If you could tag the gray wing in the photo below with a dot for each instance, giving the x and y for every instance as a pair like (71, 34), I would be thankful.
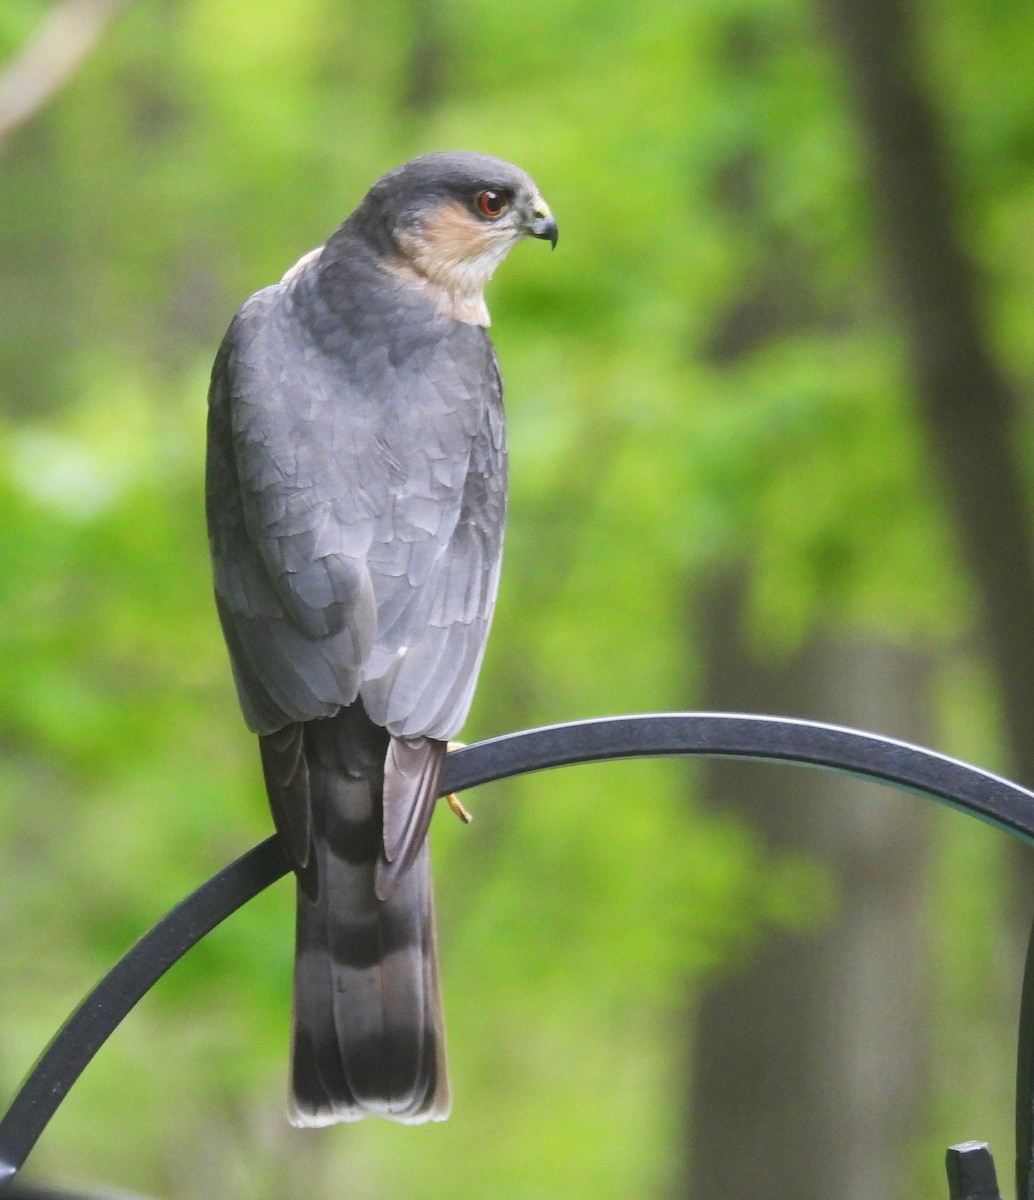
(356, 498)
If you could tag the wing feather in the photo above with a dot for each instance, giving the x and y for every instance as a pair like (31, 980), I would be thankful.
(356, 500)
(412, 770)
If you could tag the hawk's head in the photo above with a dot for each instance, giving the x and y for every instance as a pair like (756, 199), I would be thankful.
(444, 222)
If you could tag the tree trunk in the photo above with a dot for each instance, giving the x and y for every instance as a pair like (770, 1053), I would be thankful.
(966, 402)
(808, 1068)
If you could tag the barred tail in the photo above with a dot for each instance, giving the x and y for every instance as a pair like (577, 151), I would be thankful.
(368, 1036)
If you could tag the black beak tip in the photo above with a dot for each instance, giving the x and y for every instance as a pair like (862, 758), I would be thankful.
(545, 228)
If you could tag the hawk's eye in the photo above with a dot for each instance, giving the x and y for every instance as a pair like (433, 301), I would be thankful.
(492, 204)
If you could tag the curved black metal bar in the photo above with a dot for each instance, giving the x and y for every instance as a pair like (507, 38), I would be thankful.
(27, 1191)
(776, 739)
(1025, 1082)
(734, 735)
(90, 1025)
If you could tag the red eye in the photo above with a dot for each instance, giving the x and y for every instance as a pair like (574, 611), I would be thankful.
(492, 204)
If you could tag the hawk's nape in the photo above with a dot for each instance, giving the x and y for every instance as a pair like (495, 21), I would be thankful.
(356, 496)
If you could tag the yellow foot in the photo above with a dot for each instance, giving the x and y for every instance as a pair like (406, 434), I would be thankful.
(456, 805)
(452, 799)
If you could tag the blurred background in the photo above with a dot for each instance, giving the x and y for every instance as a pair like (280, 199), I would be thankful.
(770, 428)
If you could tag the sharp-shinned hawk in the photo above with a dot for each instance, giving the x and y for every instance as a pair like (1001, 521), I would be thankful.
(356, 494)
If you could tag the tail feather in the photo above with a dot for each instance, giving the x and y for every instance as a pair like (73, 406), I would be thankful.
(368, 1036)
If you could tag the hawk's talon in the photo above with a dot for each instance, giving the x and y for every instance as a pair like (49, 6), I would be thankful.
(456, 805)
(452, 799)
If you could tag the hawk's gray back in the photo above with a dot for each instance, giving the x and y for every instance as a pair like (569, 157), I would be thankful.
(358, 477)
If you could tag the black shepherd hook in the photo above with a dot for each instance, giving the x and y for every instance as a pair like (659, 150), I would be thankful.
(776, 739)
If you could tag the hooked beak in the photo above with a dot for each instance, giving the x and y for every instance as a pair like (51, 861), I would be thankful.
(542, 223)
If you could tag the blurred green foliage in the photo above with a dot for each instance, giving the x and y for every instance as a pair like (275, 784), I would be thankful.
(695, 155)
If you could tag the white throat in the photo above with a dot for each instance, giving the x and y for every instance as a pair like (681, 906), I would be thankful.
(453, 270)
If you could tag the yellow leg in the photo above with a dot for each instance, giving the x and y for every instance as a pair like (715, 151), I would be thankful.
(452, 799)
(454, 802)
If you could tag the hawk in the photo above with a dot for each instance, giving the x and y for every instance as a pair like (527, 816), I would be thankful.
(356, 495)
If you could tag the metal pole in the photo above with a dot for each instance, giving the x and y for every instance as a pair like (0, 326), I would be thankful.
(778, 739)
